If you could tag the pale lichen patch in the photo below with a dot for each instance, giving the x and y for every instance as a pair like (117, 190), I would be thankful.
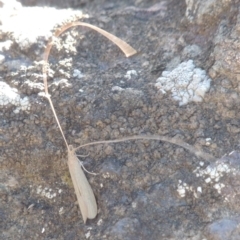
(130, 73)
(10, 96)
(187, 83)
(213, 173)
(46, 192)
(183, 188)
(77, 74)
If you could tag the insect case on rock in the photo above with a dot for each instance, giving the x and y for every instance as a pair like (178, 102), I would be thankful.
(83, 190)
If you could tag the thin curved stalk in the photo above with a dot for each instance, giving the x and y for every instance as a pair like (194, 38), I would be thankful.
(83, 190)
(127, 50)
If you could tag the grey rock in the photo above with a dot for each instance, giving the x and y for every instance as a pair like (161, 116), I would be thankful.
(204, 12)
(144, 189)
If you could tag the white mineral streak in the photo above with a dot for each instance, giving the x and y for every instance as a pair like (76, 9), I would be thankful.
(186, 83)
(10, 96)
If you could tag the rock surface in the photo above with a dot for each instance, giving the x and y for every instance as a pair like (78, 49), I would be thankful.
(144, 189)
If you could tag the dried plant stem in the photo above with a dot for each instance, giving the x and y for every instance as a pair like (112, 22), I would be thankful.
(83, 190)
(127, 50)
(176, 141)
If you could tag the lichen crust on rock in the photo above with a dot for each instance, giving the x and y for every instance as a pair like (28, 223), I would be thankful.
(187, 83)
(10, 96)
